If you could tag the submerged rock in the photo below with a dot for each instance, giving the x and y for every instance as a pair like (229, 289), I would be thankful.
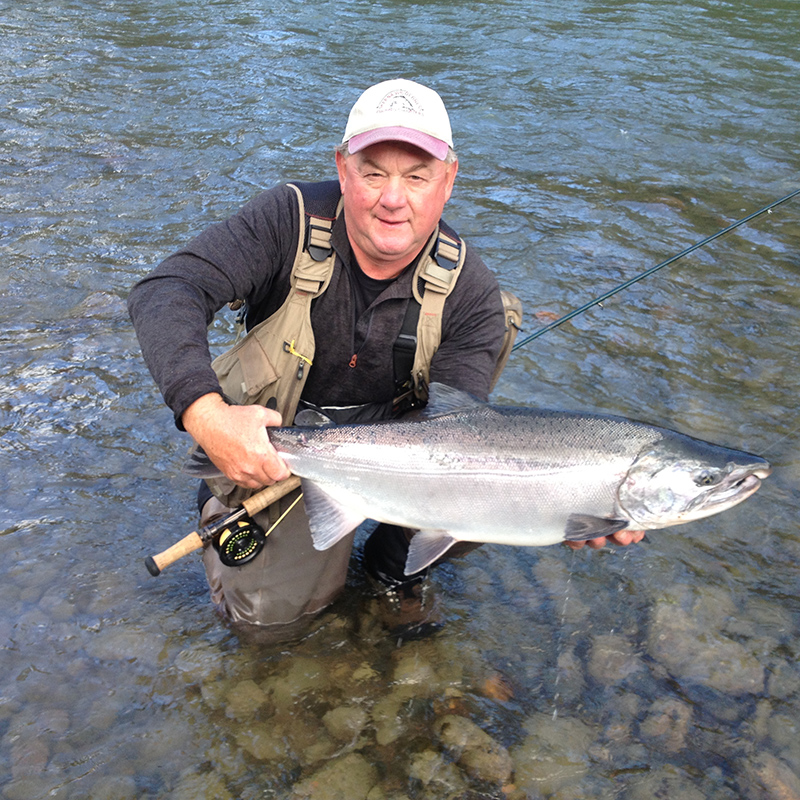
(612, 659)
(770, 778)
(477, 753)
(668, 722)
(436, 773)
(387, 718)
(200, 787)
(665, 782)
(345, 723)
(115, 787)
(126, 643)
(201, 663)
(245, 700)
(348, 778)
(554, 756)
(693, 653)
(303, 675)
(264, 742)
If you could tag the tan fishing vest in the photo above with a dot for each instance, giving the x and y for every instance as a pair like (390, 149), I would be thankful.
(269, 365)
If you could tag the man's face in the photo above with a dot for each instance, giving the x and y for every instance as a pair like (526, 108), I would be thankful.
(393, 199)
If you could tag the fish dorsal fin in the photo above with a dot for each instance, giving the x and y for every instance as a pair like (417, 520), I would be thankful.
(328, 520)
(443, 399)
(584, 526)
(425, 548)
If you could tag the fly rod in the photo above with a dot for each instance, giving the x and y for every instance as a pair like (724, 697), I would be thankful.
(238, 540)
(648, 272)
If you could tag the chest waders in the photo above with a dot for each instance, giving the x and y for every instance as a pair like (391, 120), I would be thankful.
(269, 365)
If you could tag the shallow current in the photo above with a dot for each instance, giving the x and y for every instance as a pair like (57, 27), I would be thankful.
(595, 139)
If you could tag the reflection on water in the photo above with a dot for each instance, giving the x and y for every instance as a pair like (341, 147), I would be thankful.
(596, 139)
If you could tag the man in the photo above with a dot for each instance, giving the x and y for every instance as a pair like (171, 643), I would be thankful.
(396, 169)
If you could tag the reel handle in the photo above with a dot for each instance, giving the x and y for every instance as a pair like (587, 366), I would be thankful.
(194, 541)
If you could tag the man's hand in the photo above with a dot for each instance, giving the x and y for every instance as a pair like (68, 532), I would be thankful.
(235, 439)
(623, 538)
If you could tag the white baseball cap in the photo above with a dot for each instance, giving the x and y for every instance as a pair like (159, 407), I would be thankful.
(402, 111)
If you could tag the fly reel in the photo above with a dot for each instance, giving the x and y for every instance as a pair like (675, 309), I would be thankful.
(240, 542)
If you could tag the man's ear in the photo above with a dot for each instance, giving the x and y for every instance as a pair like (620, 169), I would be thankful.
(341, 168)
(451, 179)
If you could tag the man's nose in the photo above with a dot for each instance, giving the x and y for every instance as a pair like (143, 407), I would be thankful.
(394, 194)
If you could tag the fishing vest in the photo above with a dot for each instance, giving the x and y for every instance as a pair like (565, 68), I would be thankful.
(269, 365)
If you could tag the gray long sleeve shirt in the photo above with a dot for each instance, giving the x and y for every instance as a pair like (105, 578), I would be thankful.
(250, 257)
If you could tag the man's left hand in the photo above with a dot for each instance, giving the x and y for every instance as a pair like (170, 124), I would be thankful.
(622, 538)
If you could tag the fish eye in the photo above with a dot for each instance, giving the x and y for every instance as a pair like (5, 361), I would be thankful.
(705, 478)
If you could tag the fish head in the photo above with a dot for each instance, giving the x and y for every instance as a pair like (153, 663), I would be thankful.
(681, 479)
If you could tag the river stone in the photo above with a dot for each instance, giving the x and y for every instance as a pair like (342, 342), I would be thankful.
(29, 757)
(554, 575)
(668, 722)
(668, 782)
(200, 663)
(56, 606)
(413, 670)
(208, 786)
(784, 730)
(554, 756)
(479, 755)
(345, 723)
(114, 787)
(263, 742)
(386, 718)
(783, 681)
(245, 700)
(348, 778)
(304, 675)
(433, 771)
(690, 652)
(768, 778)
(28, 788)
(570, 684)
(364, 672)
(612, 659)
(124, 643)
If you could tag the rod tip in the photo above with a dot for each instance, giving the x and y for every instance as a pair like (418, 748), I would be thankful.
(152, 567)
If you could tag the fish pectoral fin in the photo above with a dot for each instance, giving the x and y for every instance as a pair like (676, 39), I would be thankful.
(443, 400)
(311, 418)
(328, 520)
(199, 465)
(584, 526)
(425, 548)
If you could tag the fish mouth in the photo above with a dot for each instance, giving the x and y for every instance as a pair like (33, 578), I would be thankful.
(736, 488)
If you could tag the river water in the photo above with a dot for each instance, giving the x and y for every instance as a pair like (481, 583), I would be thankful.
(595, 140)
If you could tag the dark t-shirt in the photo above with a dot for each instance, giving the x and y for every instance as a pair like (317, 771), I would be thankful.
(250, 256)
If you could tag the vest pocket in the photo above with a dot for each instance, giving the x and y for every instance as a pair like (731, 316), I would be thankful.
(245, 371)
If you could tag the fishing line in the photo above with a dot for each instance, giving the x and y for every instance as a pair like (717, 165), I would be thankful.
(285, 514)
(560, 640)
(782, 439)
(648, 272)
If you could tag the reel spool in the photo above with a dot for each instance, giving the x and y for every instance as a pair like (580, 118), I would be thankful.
(240, 542)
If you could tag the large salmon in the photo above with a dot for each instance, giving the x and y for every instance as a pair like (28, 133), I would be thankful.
(468, 471)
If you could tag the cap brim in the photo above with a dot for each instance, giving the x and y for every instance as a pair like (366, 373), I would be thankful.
(430, 144)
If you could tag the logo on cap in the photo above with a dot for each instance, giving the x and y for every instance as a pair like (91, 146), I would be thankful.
(400, 101)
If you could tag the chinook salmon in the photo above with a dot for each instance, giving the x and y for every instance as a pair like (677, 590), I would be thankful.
(469, 471)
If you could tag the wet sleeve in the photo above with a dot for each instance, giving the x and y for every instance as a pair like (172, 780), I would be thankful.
(172, 307)
(473, 328)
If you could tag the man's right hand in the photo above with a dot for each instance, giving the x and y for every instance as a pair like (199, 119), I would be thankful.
(235, 439)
